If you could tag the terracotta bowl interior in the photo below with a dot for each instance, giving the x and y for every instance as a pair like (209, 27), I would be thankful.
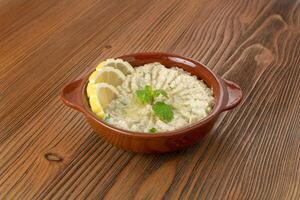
(169, 60)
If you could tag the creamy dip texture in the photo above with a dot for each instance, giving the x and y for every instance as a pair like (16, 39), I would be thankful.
(189, 98)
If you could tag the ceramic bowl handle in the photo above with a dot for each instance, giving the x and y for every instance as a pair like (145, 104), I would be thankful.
(234, 95)
(71, 95)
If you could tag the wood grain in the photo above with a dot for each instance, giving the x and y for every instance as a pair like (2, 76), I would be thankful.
(47, 151)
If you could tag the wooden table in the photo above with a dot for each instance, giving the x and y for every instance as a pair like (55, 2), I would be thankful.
(48, 151)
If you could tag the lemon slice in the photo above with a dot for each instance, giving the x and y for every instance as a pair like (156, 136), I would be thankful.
(119, 64)
(90, 89)
(101, 97)
(107, 75)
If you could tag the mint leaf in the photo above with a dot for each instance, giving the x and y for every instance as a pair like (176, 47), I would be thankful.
(148, 90)
(163, 111)
(143, 97)
(156, 93)
(152, 130)
(107, 117)
(147, 95)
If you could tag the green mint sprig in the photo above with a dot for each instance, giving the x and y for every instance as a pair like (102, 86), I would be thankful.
(147, 95)
(153, 130)
(162, 110)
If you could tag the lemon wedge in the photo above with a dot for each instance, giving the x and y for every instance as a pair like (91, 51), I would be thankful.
(100, 65)
(90, 89)
(107, 75)
(119, 64)
(101, 87)
(101, 96)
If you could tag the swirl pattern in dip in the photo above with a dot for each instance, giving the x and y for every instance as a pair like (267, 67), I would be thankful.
(190, 99)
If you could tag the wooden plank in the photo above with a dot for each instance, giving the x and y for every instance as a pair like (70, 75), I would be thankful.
(48, 151)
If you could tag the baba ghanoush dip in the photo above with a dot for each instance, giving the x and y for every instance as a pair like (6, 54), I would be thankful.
(151, 98)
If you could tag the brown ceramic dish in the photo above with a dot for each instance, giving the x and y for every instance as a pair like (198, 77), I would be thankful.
(227, 95)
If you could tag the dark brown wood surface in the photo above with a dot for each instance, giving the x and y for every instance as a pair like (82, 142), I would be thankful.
(48, 151)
